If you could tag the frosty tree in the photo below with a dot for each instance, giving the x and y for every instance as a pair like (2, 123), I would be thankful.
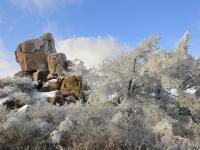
(182, 45)
(143, 50)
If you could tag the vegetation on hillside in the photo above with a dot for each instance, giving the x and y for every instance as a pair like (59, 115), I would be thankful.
(142, 99)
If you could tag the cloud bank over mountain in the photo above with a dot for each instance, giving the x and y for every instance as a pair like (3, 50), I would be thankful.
(91, 50)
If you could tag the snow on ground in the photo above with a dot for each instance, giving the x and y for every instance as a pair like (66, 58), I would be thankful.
(173, 91)
(48, 94)
(42, 96)
(191, 90)
(23, 109)
(114, 95)
(53, 80)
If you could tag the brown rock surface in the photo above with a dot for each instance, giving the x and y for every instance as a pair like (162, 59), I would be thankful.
(71, 86)
(32, 54)
(54, 84)
(48, 37)
(40, 61)
(57, 64)
(22, 74)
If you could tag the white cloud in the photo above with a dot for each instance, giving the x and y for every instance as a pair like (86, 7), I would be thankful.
(8, 66)
(41, 5)
(89, 49)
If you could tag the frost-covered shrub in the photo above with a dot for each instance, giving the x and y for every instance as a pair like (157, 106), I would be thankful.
(48, 112)
(4, 113)
(23, 84)
(23, 131)
(7, 90)
(103, 127)
(16, 92)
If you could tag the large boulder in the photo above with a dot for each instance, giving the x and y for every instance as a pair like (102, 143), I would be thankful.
(32, 54)
(71, 86)
(57, 64)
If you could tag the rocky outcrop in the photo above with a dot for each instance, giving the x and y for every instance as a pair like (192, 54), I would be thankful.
(40, 62)
(57, 64)
(32, 54)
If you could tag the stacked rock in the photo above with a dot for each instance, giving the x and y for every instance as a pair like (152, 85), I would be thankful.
(40, 62)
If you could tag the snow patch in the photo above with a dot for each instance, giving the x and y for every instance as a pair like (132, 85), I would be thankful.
(49, 94)
(53, 80)
(23, 109)
(191, 90)
(43, 96)
(112, 96)
(173, 91)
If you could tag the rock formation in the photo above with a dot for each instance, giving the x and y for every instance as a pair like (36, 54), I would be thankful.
(57, 63)
(40, 61)
(32, 54)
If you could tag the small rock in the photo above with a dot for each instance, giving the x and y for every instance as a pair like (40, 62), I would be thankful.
(54, 84)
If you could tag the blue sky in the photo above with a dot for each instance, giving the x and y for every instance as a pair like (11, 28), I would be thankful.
(125, 22)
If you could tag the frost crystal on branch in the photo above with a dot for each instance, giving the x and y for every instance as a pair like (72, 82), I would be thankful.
(182, 45)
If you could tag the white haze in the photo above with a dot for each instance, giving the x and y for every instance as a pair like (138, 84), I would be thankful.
(91, 50)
